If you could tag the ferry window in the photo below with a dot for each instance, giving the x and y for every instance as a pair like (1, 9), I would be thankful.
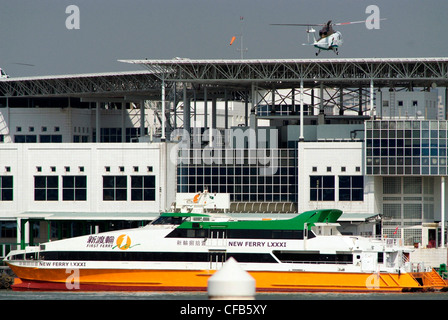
(169, 220)
(143, 188)
(46, 188)
(6, 187)
(114, 188)
(74, 188)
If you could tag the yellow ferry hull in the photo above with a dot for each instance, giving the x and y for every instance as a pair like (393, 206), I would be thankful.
(196, 280)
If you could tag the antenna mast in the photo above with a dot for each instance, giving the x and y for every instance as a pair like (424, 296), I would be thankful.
(241, 50)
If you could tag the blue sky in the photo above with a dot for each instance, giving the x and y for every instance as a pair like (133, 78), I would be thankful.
(34, 32)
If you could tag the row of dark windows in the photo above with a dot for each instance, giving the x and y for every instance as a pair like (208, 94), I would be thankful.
(146, 256)
(211, 256)
(238, 233)
(74, 188)
(107, 135)
(46, 188)
(303, 257)
(43, 138)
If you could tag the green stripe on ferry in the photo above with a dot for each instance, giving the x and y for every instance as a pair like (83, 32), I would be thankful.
(296, 223)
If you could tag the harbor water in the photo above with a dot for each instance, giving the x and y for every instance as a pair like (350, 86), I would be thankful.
(125, 295)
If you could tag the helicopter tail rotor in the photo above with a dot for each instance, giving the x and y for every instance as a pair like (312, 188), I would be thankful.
(309, 30)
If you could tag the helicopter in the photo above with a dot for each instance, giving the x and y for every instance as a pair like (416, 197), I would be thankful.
(329, 39)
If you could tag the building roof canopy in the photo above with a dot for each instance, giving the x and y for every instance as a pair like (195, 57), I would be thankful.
(237, 74)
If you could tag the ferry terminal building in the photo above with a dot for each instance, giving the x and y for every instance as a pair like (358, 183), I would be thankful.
(87, 153)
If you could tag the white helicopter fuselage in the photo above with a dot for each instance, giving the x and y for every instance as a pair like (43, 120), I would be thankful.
(331, 42)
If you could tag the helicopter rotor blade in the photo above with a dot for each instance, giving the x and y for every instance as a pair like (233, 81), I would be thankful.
(353, 22)
(297, 24)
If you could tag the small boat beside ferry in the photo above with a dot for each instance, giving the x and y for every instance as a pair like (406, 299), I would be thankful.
(179, 251)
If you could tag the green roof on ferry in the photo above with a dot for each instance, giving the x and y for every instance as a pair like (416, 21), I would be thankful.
(296, 223)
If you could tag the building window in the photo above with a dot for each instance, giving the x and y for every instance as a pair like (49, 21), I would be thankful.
(410, 147)
(78, 138)
(143, 188)
(50, 138)
(46, 188)
(8, 229)
(391, 185)
(6, 186)
(133, 133)
(110, 134)
(322, 188)
(21, 138)
(74, 188)
(245, 179)
(351, 188)
(114, 188)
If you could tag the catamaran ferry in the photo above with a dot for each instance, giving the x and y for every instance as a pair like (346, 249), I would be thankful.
(180, 251)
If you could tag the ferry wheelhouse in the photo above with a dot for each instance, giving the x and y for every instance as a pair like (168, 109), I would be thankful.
(180, 251)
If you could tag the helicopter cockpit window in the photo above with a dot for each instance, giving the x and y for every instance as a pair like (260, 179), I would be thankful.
(169, 220)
